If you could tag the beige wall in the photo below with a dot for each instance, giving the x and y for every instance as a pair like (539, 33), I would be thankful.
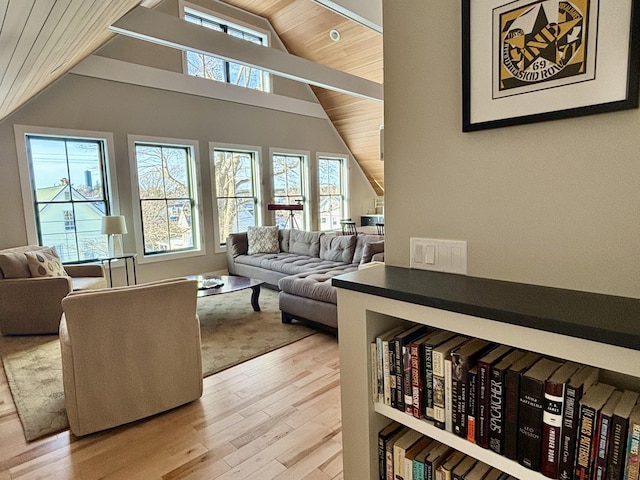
(554, 203)
(90, 104)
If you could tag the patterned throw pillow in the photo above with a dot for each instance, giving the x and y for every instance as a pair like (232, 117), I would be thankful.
(263, 240)
(45, 263)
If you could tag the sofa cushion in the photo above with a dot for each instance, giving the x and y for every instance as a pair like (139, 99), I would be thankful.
(370, 249)
(305, 243)
(263, 240)
(361, 242)
(45, 263)
(14, 265)
(287, 263)
(337, 248)
(315, 285)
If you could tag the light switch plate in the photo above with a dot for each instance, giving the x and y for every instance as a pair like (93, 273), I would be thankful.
(439, 255)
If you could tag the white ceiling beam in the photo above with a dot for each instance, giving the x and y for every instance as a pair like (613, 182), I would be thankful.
(365, 12)
(163, 29)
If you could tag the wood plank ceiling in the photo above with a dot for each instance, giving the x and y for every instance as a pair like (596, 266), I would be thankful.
(40, 40)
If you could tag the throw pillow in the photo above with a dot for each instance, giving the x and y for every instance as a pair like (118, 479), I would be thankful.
(14, 265)
(370, 249)
(262, 240)
(45, 263)
(337, 248)
(305, 243)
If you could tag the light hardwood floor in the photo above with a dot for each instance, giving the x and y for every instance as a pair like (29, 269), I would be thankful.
(274, 417)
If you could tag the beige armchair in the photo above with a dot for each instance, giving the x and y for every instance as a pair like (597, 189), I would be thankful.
(129, 353)
(32, 305)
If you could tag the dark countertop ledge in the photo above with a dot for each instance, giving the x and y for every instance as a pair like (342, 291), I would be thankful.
(592, 316)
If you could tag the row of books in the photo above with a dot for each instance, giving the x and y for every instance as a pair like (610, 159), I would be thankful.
(405, 454)
(550, 415)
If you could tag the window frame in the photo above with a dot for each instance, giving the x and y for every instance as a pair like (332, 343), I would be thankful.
(226, 21)
(344, 188)
(21, 132)
(196, 188)
(304, 222)
(259, 205)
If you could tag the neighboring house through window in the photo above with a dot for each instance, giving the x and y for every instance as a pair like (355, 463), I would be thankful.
(165, 183)
(207, 66)
(236, 186)
(331, 192)
(289, 187)
(65, 190)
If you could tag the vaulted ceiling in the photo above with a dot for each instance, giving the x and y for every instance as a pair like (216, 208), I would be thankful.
(40, 40)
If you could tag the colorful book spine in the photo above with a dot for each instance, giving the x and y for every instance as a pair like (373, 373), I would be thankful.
(439, 356)
(427, 362)
(575, 388)
(632, 463)
(590, 406)
(472, 404)
(603, 434)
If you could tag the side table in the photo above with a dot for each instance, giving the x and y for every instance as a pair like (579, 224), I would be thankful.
(126, 257)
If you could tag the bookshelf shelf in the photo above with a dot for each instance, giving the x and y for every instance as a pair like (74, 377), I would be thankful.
(587, 328)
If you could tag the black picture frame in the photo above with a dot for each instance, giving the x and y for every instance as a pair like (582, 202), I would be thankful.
(604, 78)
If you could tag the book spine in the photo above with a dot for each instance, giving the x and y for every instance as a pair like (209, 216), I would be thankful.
(382, 458)
(472, 405)
(375, 383)
(448, 396)
(380, 369)
(428, 381)
(418, 470)
(632, 463)
(530, 412)
(398, 370)
(484, 373)
(617, 448)
(566, 462)
(414, 405)
(602, 450)
(588, 419)
(407, 391)
(551, 424)
(512, 385)
(389, 380)
(389, 462)
(496, 422)
(438, 390)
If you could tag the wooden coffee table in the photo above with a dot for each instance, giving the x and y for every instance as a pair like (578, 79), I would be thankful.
(230, 283)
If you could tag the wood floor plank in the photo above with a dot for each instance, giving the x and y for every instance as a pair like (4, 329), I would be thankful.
(275, 416)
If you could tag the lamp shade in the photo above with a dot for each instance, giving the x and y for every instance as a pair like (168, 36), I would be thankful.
(114, 225)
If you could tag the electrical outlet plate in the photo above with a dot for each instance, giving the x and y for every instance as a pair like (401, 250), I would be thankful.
(439, 255)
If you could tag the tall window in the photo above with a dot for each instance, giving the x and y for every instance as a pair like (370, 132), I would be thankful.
(236, 198)
(168, 200)
(68, 180)
(289, 186)
(331, 189)
(206, 66)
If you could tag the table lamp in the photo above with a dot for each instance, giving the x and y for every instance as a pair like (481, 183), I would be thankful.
(114, 226)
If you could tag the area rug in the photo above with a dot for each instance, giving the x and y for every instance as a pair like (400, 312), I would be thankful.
(231, 333)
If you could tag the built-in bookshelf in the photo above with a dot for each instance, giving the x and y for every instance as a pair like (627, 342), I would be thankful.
(591, 329)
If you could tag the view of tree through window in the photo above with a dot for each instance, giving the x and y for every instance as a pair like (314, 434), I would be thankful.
(288, 186)
(68, 181)
(330, 186)
(235, 191)
(167, 199)
(206, 66)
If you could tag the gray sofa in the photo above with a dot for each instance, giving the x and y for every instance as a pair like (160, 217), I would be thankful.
(303, 268)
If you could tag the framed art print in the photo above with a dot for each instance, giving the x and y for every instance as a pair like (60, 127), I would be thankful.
(528, 61)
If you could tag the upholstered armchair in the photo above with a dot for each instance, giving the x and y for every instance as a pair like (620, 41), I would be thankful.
(129, 353)
(32, 305)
